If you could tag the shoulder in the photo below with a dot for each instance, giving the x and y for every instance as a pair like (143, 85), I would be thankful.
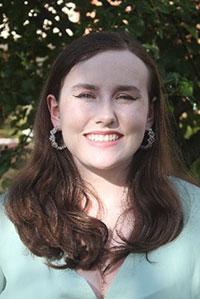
(8, 232)
(6, 226)
(186, 247)
(185, 188)
(9, 237)
(2, 201)
(188, 193)
(3, 217)
(3, 220)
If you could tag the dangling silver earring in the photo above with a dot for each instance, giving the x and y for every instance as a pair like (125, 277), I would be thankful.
(52, 139)
(150, 139)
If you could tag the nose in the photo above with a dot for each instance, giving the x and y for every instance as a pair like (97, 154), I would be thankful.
(105, 113)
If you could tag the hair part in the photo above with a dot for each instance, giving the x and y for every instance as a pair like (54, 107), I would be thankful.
(45, 202)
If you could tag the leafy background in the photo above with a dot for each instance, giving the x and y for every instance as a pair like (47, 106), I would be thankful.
(32, 33)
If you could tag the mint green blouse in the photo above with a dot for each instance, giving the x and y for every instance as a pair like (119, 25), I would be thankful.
(173, 274)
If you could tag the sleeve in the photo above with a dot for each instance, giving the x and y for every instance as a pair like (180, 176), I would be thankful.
(191, 194)
(196, 243)
(196, 280)
(190, 197)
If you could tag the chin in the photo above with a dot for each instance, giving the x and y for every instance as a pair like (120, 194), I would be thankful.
(107, 166)
(104, 164)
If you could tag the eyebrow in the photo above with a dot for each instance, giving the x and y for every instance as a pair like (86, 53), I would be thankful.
(127, 88)
(117, 88)
(84, 85)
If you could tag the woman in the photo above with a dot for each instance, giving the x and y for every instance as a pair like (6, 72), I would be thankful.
(100, 200)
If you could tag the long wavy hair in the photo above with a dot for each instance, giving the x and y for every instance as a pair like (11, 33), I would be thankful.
(45, 199)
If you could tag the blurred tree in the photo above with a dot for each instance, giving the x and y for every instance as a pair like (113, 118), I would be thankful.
(32, 33)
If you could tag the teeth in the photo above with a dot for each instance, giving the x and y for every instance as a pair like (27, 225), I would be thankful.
(103, 138)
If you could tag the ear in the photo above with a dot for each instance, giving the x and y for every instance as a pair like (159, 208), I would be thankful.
(53, 107)
(150, 117)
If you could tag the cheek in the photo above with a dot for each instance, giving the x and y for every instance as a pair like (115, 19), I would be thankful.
(136, 119)
(73, 119)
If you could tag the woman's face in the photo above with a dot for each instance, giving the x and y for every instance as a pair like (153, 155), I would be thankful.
(103, 110)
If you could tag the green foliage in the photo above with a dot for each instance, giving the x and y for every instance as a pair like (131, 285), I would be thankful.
(33, 32)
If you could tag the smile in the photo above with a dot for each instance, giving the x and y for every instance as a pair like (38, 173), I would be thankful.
(103, 138)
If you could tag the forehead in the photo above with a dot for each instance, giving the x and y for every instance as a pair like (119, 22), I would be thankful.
(109, 68)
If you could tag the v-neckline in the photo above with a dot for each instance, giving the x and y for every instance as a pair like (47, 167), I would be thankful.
(117, 277)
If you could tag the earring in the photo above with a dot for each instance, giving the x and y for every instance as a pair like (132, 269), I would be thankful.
(52, 139)
(150, 139)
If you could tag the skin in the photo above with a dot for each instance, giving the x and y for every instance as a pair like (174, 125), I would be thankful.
(103, 106)
(106, 92)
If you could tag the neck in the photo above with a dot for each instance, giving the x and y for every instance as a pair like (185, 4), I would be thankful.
(112, 178)
(107, 185)
(111, 189)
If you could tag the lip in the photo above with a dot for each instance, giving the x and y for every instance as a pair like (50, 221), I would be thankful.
(105, 144)
(104, 133)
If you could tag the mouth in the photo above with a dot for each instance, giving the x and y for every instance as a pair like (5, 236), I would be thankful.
(103, 137)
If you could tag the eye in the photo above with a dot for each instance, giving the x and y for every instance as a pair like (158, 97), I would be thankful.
(85, 95)
(127, 97)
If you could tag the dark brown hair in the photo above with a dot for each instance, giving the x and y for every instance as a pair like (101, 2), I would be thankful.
(45, 199)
